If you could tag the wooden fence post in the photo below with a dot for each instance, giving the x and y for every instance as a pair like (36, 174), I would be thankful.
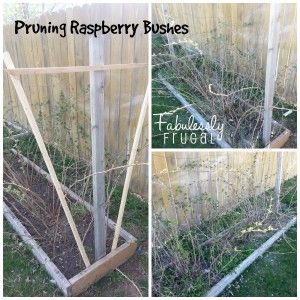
(271, 70)
(170, 38)
(278, 178)
(96, 56)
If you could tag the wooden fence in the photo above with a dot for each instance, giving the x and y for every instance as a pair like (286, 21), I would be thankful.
(61, 102)
(237, 35)
(192, 186)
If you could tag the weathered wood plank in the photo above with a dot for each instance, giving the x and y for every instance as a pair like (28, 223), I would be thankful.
(278, 177)
(271, 71)
(280, 141)
(96, 55)
(74, 69)
(225, 281)
(80, 282)
(61, 281)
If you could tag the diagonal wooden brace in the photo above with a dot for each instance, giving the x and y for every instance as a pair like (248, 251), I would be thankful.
(130, 169)
(39, 139)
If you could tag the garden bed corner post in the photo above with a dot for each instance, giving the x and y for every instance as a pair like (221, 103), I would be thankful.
(96, 57)
(271, 70)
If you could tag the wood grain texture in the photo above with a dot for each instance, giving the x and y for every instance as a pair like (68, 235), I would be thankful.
(280, 141)
(271, 70)
(97, 99)
(81, 281)
(74, 69)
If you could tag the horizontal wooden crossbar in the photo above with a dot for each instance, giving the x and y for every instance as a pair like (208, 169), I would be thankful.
(74, 69)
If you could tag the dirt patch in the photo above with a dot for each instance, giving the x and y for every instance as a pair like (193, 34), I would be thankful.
(34, 201)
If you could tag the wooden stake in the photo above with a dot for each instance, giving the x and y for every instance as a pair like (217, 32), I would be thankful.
(35, 130)
(96, 56)
(74, 69)
(130, 169)
(272, 57)
(278, 181)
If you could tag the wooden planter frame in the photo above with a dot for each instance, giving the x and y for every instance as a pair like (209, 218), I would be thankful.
(82, 281)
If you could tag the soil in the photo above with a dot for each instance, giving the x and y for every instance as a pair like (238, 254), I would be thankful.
(38, 208)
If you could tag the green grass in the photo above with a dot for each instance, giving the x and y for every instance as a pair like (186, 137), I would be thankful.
(23, 275)
(6, 131)
(183, 286)
(289, 192)
(179, 281)
(268, 276)
(78, 210)
(274, 274)
(136, 213)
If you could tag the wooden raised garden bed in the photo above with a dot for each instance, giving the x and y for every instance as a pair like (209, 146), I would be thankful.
(69, 284)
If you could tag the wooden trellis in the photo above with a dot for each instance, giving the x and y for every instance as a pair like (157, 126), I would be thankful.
(118, 255)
